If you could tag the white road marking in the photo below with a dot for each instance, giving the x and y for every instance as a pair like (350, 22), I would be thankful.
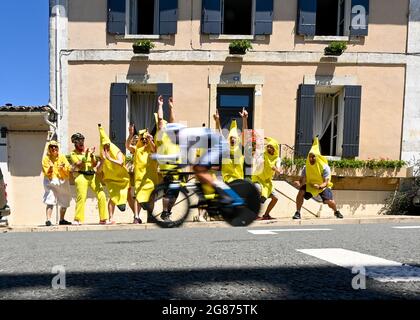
(273, 231)
(376, 268)
(408, 227)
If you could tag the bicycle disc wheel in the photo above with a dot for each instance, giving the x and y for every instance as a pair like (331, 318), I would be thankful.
(243, 215)
(170, 207)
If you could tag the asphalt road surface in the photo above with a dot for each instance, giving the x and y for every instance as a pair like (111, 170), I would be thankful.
(280, 263)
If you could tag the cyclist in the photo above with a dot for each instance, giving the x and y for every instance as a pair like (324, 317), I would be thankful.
(213, 148)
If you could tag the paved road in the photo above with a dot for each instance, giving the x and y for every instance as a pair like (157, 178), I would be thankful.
(207, 263)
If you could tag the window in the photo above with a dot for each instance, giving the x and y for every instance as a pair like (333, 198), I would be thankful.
(142, 106)
(332, 17)
(328, 122)
(230, 102)
(237, 17)
(332, 113)
(143, 17)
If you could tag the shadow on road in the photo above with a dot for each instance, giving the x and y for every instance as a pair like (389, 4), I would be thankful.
(225, 283)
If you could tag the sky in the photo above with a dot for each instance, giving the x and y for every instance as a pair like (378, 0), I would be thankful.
(24, 53)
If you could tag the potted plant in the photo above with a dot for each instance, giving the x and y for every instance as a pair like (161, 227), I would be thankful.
(335, 48)
(239, 46)
(143, 46)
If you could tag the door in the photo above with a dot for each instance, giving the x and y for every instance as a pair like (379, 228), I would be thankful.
(230, 102)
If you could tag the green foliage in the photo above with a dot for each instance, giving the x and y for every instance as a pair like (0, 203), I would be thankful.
(143, 46)
(335, 48)
(350, 163)
(401, 201)
(240, 46)
(129, 158)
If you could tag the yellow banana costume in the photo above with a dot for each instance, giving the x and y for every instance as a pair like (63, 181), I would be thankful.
(83, 182)
(145, 171)
(164, 145)
(58, 171)
(265, 177)
(233, 167)
(314, 172)
(115, 177)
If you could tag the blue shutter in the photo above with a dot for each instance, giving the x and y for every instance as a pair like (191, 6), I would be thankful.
(116, 16)
(264, 17)
(165, 90)
(358, 23)
(304, 119)
(168, 16)
(306, 17)
(118, 114)
(211, 21)
(352, 104)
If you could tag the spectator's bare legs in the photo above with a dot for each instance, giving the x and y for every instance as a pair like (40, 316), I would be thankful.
(331, 204)
(62, 213)
(271, 205)
(111, 210)
(48, 211)
(299, 200)
(131, 201)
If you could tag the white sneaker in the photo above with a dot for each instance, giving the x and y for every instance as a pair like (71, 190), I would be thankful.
(201, 219)
(76, 223)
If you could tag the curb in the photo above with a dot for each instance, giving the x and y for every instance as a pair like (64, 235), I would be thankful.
(216, 224)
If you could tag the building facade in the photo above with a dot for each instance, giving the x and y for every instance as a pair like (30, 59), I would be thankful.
(363, 104)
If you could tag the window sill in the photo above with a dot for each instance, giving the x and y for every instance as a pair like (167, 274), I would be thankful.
(142, 37)
(326, 38)
(235, 37)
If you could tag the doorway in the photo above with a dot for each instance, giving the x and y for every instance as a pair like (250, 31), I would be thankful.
(230, 102)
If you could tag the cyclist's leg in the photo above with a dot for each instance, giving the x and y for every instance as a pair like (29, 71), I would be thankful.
(171, 195)
(227, 195)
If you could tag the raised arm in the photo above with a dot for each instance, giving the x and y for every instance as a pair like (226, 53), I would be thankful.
(151, 142)
(216, 118)
(171, 110)
(244, 116)
(160, 112)
(129, 138)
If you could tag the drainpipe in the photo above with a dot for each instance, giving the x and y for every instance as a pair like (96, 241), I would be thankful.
(57, 66)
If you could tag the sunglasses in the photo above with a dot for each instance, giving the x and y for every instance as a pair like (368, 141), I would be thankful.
(54, 148)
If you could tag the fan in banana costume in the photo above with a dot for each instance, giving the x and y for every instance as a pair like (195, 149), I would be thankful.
(315, 181)
(267, 165)
(56, 171)
(233, 167)
(115, 175)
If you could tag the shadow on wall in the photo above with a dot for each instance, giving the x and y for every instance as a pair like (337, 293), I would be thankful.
(25, 153)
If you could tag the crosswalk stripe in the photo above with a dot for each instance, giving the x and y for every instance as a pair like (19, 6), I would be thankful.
(273, 231)
(407, 227)
(376, 268)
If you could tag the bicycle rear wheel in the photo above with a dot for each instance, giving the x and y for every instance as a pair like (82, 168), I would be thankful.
(169, 206)
(243, 215)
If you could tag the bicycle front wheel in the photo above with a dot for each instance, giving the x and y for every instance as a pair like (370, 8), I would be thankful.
(169, 206)
(242, 216)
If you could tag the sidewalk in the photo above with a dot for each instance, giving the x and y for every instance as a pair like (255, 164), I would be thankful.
(218, 224)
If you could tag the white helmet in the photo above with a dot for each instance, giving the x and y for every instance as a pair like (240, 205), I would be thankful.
(173, 129)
